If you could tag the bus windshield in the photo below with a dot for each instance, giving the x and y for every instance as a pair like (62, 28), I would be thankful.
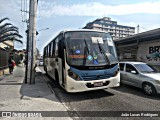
(90, 49)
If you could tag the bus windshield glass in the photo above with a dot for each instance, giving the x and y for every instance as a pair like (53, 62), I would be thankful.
(89, 48)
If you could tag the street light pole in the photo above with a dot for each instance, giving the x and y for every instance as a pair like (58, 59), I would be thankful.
(37, 32)
(43, 29)
(138, 29)
(26, 56)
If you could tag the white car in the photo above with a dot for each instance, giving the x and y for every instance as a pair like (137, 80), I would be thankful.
(40, 62)
(140, 75)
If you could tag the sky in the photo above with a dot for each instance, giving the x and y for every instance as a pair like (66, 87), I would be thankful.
(58, 15)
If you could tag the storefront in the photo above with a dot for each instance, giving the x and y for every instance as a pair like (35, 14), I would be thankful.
(143, 47)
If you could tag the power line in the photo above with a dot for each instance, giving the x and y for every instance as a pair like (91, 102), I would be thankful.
(143, 28)
(21, 10)
(24, 11)
(138, 28)
(39, 9)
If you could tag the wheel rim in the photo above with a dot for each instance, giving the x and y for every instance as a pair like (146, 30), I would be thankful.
(148, 89)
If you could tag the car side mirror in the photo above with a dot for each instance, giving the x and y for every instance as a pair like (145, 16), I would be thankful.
(134, 72)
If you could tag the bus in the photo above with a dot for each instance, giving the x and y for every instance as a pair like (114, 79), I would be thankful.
(82, 60)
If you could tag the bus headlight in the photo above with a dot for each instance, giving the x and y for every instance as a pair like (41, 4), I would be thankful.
(73, 75)
(116, 73)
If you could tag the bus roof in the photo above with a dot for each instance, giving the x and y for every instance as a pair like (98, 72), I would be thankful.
(82, 30)
(78, 30)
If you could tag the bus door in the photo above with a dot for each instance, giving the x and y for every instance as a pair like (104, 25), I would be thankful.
(59, 61)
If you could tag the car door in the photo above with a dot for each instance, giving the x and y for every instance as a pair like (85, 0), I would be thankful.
(122, 72)
(130, 77)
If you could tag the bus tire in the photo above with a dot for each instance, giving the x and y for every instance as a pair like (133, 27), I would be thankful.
(45, 69)
(57, 77)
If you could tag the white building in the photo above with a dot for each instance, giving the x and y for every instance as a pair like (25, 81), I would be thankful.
(115, 30)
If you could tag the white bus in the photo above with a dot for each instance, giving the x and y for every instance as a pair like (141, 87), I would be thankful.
(82, 60)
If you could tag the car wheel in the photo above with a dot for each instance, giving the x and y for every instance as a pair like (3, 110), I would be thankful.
(149, 89)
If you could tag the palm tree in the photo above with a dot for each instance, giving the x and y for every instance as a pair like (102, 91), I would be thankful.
(8, 32)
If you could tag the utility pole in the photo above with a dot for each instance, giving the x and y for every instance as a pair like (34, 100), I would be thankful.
(31, 42)
(138, 29)
(26, 57)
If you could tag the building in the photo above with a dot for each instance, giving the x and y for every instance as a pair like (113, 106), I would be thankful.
(143, 47)
(115, 30)
(7, 45)
(7, 50)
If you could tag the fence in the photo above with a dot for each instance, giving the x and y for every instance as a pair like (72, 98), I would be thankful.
(4, 56)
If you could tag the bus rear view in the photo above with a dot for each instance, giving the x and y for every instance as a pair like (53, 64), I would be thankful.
(87, 61)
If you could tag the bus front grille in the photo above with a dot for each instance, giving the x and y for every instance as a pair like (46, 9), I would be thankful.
(96, 77)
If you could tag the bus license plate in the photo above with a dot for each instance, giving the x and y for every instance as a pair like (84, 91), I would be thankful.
(97, 84)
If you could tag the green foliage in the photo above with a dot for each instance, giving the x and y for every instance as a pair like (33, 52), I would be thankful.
(8, 32)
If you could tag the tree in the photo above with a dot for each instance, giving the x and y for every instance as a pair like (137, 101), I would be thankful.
(8, 32)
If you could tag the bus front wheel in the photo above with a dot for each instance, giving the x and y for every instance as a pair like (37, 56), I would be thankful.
(45, 69)
(57, 77)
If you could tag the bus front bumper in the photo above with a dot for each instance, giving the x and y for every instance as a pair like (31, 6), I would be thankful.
(80, 86)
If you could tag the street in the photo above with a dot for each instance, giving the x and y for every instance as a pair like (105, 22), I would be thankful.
(123, 98)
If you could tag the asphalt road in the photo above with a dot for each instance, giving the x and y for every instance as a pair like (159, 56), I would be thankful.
(125, 99)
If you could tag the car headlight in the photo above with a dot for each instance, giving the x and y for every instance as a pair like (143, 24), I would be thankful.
(73, 75)
(157, 81)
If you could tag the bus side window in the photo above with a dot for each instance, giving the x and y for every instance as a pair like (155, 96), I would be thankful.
(56, 47)
(47, 51)
(50, 50)
(44, 54)
(53, 49)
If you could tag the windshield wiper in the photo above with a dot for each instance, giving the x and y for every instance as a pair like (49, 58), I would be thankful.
(85, 53)
(103, 52)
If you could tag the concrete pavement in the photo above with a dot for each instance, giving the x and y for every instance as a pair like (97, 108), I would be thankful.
(18, 96)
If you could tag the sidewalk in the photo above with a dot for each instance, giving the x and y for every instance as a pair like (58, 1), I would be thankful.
(18, 96)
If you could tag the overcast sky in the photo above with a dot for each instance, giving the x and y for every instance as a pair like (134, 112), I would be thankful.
(72, 14)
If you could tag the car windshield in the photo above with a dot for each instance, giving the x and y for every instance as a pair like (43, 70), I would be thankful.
(89, 49)
(145, 68)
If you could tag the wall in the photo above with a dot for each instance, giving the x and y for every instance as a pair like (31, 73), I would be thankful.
(149, 52)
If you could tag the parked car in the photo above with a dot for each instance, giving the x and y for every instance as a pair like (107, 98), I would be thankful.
(40, 62)
(140, 75)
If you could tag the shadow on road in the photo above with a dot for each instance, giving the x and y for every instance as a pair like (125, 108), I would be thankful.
(135, 91)
(80, 96)
(88, 95)
(37, 90)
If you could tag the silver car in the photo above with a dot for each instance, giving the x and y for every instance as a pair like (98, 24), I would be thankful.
(140, 75)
